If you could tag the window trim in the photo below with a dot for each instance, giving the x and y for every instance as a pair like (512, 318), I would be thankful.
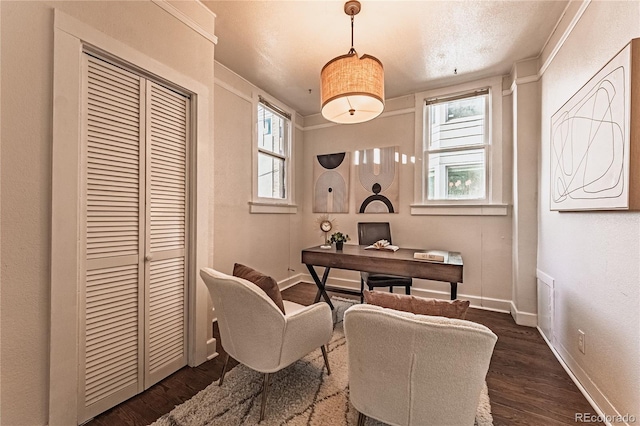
(494, 203)
(264, 204)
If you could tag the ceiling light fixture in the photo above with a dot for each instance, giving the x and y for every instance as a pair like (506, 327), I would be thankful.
(352, 88)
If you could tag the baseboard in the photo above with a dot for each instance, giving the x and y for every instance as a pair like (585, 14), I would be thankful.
(523, 318)
(291, 281)
(486, 303)
(211, 349)
(591, 392)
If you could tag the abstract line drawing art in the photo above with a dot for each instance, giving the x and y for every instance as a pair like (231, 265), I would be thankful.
(377, 189)
(331, 183)
(590, 142)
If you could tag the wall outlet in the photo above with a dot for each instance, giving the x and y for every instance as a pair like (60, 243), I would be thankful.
(581, 336)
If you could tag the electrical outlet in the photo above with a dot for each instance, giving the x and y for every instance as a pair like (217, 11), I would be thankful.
(581, 336)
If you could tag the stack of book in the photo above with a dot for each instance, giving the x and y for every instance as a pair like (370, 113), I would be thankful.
(432, 255)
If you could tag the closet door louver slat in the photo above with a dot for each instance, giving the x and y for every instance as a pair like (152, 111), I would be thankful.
(167, 118)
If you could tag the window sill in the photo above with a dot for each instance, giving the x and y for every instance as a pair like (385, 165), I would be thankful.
(272, 208)
(459, 209)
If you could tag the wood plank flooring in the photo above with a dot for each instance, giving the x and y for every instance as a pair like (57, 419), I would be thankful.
(527, 385)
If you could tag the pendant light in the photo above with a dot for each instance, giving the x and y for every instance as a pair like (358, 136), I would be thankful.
(352, 88)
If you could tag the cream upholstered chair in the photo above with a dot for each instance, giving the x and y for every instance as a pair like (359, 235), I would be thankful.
(426, 370)
(256, 333)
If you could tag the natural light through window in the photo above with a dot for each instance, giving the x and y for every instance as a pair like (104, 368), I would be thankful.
(456, 144)
(273, 146)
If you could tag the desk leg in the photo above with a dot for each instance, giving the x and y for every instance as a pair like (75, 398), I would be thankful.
(320, 284)
(454, 291)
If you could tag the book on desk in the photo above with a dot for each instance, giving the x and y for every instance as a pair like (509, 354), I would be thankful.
(432, 255)
(382, 245)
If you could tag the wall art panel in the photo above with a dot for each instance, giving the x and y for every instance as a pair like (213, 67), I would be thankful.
(331, 183)
(593, 151)
(377, 187)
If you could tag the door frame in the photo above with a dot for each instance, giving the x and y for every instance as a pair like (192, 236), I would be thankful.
(71, 38)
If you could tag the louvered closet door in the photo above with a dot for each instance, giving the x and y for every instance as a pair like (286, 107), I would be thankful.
(110, 336)
(167, 216)
(133, 323)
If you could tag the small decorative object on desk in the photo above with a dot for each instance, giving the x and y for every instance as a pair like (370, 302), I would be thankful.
(339, 238)
(382, 245)
(326, 225)
(432, 255)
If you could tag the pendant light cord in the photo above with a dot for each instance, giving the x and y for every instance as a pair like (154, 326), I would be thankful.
(352, 50)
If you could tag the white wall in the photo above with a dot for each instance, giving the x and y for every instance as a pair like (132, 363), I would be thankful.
(594, 257)
(265, 242)
(27, 87)
(484, 241)
(526, 137)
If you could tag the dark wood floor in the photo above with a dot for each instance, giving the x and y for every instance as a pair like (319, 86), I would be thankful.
(527, 385)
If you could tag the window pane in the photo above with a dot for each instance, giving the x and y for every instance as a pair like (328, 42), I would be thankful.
(270, 176)
(457, 123)
(458, 175)
(271, 131)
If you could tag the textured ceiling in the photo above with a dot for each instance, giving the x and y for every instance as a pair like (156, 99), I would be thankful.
(281, 46)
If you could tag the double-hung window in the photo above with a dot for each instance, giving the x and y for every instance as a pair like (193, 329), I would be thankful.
(273, 150)
(456, 147)
(273, 144)
(460, 163)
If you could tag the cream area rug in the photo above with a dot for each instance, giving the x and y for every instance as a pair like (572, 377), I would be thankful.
(301, 394)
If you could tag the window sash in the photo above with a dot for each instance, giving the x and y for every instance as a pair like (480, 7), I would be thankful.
(430, 193)
(278, 186)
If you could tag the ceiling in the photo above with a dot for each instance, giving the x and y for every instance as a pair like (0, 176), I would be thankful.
(281, 46)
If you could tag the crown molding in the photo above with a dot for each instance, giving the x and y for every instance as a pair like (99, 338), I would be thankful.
(565, 35)
(554, 52)
(187, 20)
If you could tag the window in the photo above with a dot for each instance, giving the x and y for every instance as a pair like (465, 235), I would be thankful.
(456, 144)
(272, 173)
(459, 155)
(273, 136)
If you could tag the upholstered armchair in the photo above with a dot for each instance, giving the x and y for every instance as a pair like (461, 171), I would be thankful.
(255, 332)
(407, 369)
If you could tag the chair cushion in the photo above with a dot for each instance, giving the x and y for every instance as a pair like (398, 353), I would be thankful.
(418, 305)
(265, 282)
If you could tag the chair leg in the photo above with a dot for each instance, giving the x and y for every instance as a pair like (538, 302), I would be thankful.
(326, 359)
(265, 390)
(361, 419)
(224, 370)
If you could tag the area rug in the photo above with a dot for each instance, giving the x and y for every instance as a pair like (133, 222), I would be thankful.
(301, 394)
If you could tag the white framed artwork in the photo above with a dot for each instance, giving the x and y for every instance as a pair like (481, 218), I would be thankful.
(593, 151)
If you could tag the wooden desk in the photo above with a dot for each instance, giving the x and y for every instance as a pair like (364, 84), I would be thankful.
(400, 262)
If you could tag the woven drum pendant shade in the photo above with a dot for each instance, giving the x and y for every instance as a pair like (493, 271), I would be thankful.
(352, 89)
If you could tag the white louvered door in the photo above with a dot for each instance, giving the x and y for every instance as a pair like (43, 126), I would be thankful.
(133, 310)
(167, 136)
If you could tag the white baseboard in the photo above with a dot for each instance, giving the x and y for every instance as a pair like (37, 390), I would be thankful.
(291, 281)
(598, 401)
(211, 349)
(486, 303)
(524, 318)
